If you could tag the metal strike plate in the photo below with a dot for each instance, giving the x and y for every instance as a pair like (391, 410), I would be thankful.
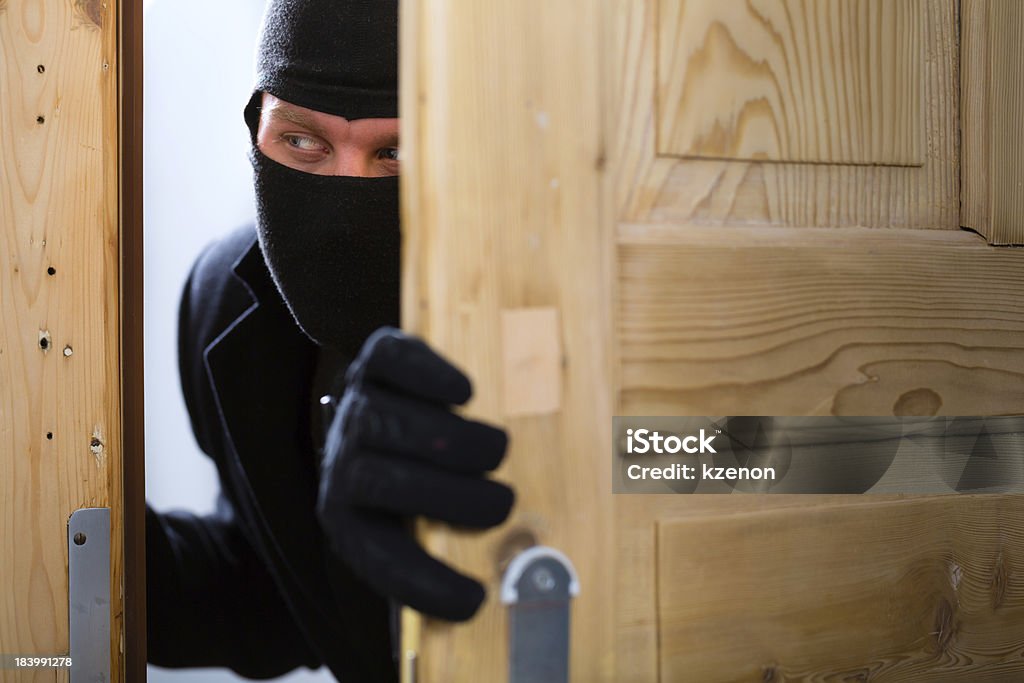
(538, 587)
(89, 594)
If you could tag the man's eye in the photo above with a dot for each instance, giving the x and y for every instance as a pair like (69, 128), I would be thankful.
(389, 153)
(302, 143)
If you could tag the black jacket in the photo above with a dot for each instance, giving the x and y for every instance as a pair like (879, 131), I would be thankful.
(254, 587)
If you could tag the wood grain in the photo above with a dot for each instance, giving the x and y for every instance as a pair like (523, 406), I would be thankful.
(707, 192)
(798, 322)
(827, 81)
(59, 211)
(993, 128)
(503, 208)
(925, 589)
(636, 543)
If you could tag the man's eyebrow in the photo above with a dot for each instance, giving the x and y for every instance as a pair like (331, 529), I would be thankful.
(299, 118)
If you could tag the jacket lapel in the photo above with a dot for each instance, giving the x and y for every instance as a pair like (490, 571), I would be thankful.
(260, 368)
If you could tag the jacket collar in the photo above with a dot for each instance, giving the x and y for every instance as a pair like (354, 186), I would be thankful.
(251, 269)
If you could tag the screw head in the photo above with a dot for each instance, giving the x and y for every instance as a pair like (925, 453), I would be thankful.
(543, 579)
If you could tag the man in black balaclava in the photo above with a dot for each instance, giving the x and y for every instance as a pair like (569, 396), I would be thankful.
(330, 429)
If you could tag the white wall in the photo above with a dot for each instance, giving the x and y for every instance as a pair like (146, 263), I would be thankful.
(198, 186)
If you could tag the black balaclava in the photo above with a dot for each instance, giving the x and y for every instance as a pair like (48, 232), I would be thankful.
(332, 243)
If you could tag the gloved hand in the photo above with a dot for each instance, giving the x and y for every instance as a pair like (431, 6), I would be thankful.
(394, 450)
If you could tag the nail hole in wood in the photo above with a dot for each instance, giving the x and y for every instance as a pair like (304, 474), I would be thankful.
(40, 119)
(51, 270)
(44, 340)
(49, 436)
(40, 68)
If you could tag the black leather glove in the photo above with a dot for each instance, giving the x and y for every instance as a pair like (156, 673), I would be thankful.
(394, 450)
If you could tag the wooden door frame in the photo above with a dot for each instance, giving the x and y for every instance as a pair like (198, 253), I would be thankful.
(129, 59)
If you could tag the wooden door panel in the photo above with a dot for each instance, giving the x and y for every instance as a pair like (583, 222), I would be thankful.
(828, 81)
(924, 589)
(818, 322)
(651, 187)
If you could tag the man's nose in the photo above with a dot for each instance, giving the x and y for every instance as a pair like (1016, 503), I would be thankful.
(351, 162)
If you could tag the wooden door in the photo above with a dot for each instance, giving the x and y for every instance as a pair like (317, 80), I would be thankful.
(70, 323)
(708, 207)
